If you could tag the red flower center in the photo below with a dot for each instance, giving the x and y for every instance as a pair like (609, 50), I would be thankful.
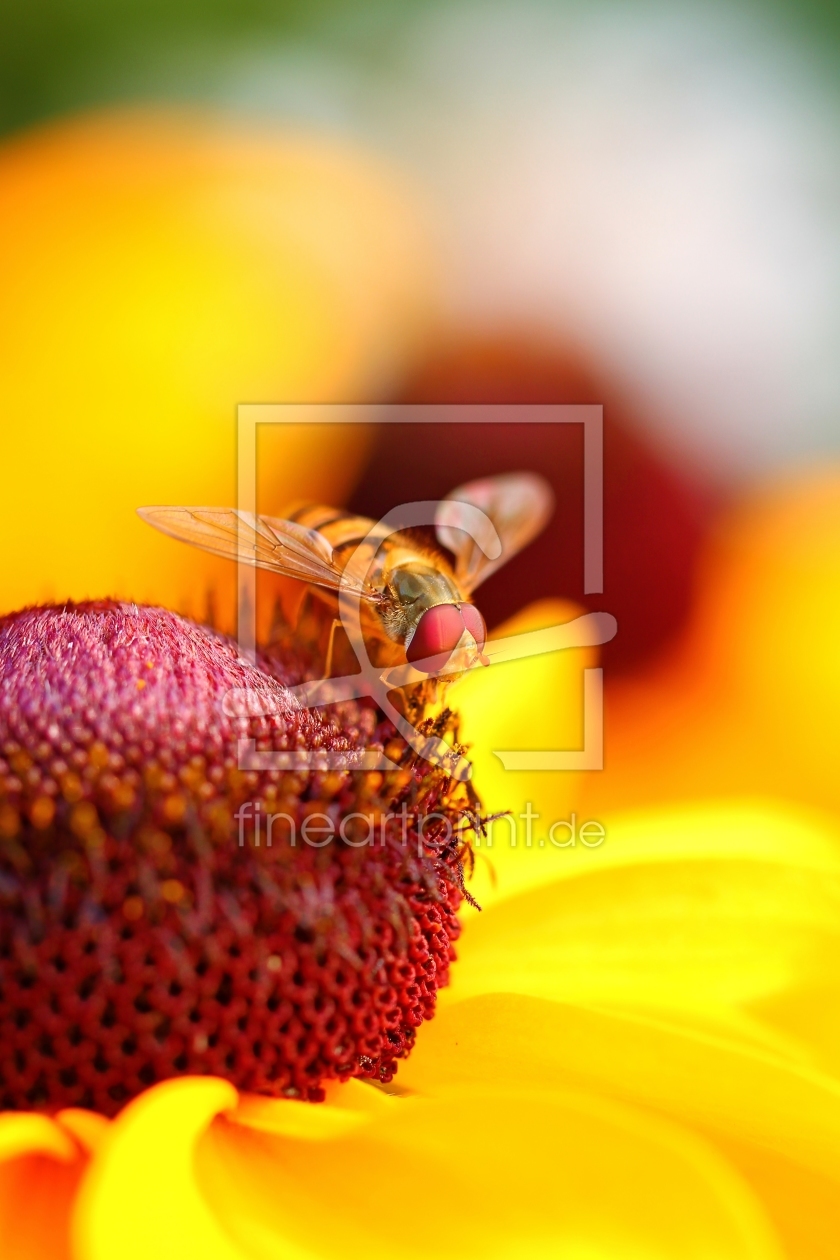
(143, 931)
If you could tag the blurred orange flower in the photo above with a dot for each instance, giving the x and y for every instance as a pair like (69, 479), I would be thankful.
(158, 270)
(748, 703)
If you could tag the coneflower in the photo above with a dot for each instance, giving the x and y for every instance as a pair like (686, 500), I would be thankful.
(151, 925)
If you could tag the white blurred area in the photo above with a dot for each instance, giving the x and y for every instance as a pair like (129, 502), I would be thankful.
(655, 184)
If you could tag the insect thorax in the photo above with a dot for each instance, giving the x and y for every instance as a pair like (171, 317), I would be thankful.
(410, 589)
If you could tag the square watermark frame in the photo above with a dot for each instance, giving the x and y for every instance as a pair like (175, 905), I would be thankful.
(591, 628)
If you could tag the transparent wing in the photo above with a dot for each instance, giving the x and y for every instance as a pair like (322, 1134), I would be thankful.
(519, 506)
(265, 541)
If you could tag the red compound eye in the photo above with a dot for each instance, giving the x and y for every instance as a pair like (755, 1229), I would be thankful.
(436, 636)
(474, 622)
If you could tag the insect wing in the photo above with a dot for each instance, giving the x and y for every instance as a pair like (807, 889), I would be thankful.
(268, 542)
(519, 505)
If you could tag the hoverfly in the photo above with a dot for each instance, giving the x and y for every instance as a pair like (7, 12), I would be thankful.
(415, 603)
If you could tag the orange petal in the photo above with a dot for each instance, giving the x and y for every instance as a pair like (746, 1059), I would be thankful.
(40, 1169)
(749, 701)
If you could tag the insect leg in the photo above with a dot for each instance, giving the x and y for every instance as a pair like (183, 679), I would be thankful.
(328, 666)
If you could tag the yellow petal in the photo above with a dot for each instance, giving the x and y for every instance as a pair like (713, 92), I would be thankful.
(761, 828)
(725, 1088)
(562, 846)
(472, 1175)
(347, 1107)
(809, 1012)
(87, 1127)
(478, 1175)
(776, 1121)
(533, 703)
(159, 269)
(29, 1133)
(803, 1205)
(40, 1168)
(689, 933)
(140, 1198)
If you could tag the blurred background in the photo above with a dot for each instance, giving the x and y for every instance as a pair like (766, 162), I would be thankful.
(206, 202)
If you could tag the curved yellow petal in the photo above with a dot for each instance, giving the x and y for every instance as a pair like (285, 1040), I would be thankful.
(158, 269)
(29, 1133)
(87, 1127)
(139, 1198)
(809, 1012)
(713, 1083)
(758, 828)
(803, 1205)
(562, 846)
(347, 1106)
(40, 1168)
(680, 935)
(482, 1175)
(533, 703)
(184, 1173)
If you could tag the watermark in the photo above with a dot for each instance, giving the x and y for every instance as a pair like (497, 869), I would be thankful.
(589, 629)
(261, 828)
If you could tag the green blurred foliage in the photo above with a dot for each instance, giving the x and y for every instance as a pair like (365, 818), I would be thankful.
(57, 55)
(62, 55)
